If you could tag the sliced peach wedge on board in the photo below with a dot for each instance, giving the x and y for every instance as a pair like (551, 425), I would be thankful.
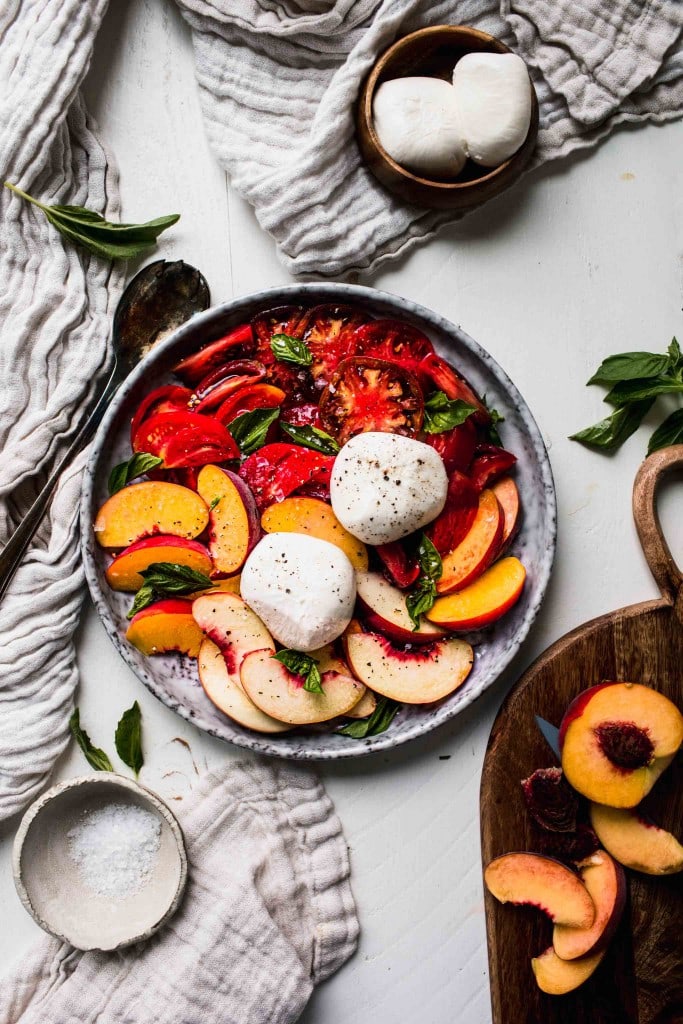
(636, 842)
(149, 508)
(530, 878)
(315, 517)
(233, 518)
(124, 571)
(484, 601)
(165, 626)
(557, 977)
(225, 691)
(606, 884)
(383, 608)
(478, 548)
(410, 677)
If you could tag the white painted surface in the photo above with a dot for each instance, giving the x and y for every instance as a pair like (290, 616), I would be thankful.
(577, 262)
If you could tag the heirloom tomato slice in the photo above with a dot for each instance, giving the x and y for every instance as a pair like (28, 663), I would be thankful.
(212, 355)
(296, 381)
(402, 567)
(168, 398)
(371, 394)
(306, 414)
(446, 379)
(277, 470)
(490, 462)
(185, 439)
(393, 340)
(454, 522)
(456, 446)
(329, 332)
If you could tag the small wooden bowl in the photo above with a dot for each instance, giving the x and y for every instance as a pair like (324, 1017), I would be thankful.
(433, 52)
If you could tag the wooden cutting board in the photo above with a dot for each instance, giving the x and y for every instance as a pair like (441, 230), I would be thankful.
(641, 979)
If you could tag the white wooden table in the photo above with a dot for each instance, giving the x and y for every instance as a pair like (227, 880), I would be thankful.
(577, 262)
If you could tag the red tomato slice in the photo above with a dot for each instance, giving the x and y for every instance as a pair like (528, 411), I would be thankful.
(185, 439)
(402, 568)
(446, 379)
(456, 447)
(371, 394)
(304, 415)
(329, 332)
(277, 470)
(295, 381)
(200, 363)
(394, 340)
(489, 463)
(168, 398)
(454, 522)
(253, 396)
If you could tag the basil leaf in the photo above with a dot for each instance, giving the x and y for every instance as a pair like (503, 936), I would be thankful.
(90, 230)
(167, 579)
(669, 432)
(611, 432)
(629, 366)
(214, 502)
(300, 664)
(128, 738)
(144, 597)
(494, 433)
(443, 413)
(124, 472)
(626, 392)
(429, 559)
(95, 757)
(251, 428)
(674, 353)
(311, 437)
(379, 721)
(290, 350)
(420, 600)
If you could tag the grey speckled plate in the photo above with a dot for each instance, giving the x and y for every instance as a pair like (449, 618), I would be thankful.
(173, 679)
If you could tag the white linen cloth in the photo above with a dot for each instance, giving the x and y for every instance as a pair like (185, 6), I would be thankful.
(268, 913)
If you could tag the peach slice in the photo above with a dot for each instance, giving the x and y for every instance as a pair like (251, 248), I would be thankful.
(483, 601)
(506, 491)
(225, 691)
(228, 585)
(233, 626)
(383, 608)
(149, 508)
(556, 977)
(233, 518)
(315, 517)
(411, 677)
(166, 626)
(280, 694)
(365, 706)
(636, 842)
(606, 884)
(124, 571)
(616, 740)
(478, 548)
(530, 878)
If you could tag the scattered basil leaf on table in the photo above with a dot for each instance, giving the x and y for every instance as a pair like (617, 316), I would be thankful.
(669, 432)
(102, 237)
(443, 413)
(311, 437)
(124, 472)
(251, 428)
(422, 598)
(304, 665)
(629, 391)
(379, 721)
(167, 579)
(95, 757)
(128, 738)
(611, 432)
(290, 350)
(630, 366)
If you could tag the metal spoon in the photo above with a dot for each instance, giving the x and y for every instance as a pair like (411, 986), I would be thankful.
(158, 299)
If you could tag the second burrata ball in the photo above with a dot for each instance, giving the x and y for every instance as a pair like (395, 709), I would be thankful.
(303, 588)
(385, 486)
(493, 96)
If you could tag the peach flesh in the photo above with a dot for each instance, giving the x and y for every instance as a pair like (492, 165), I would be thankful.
(149, 508)
(225, 691)
(484, 601)
(315, 517)
(164, 627)
(421, 676)
(635, 842)
(530, 878)
(124, 571)
(478, 548)
(557, 977)
(605, 881)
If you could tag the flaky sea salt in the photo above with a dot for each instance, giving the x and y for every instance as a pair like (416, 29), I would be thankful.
(115, 848)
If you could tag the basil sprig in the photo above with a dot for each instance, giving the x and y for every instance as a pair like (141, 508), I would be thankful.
(250, 430)
(422, 598)
(635, 381)
(103, 238)
(311, 437)
(290, 350)
(128, 738)
(95, 757)
(443, 413)
(496, 418)
(167, 579)
(379, 721)
(124, 472)
(300, 664)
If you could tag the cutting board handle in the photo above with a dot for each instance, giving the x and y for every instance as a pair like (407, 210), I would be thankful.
(659, 558)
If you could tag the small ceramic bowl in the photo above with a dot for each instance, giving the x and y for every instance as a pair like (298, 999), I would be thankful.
(51, 884)
(433, 53)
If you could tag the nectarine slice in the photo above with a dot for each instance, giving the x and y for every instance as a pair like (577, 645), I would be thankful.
(365, 706)
(530, 878)
(221, 687)
(315, 517)
(506, 491)
(616, 740)
(636, 842)
(233, 627)
(557, 977)
(280, 693)
(233, 518)
(384, 610)
(124, 571)
(149, 508)
(478, 548)
(483, 601)
(411, 677)
(606, 884)
(166, 626)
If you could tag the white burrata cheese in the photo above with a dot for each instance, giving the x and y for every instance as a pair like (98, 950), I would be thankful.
(417, 123)
(385, 486)
(493, 101)
(303, 588)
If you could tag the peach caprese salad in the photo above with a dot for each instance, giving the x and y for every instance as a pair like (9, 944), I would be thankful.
(326, 510)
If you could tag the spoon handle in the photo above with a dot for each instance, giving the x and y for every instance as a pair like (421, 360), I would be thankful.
(15, 548)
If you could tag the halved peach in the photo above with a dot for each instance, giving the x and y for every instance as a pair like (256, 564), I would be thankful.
(411, 677)
(223, 689)
(280, 693)
(477, 550)
(616, 740)
(606, 884)
(556, 977)
(315, 517)
(383, 609)
(233, 626)
(149, 508)
(506, 491)
(483, 601)
(365, 706)
(233, 518)
(124, 571)
(166, 626)
(636, 842)
(531, 878)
